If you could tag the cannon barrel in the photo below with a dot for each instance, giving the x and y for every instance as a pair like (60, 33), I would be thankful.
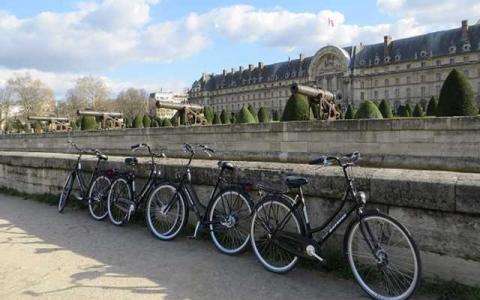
(178, 106)
(40, 118)
(312, 92)
(99, 113)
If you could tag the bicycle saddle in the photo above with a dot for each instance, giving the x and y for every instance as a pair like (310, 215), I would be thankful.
(295, 181)
(132, 161)
(101, 156)
(226, 165)
(271, 188)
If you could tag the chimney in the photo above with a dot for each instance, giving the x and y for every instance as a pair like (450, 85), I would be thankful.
(233, 70)
(386, 42)
(250, 67)
(260, 65)
(240, 69)
(224, 72)
(465, 29)
(300, 57)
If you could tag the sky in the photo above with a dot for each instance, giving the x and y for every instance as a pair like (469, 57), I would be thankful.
(168, 44)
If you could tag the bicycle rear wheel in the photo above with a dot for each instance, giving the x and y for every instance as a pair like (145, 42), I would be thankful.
(228, 216)
(266, 219)
(118, 205)
(391, 271)
(67, 189)
(98, 198)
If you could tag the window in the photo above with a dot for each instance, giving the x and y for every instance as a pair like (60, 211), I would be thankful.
(387, 83)
(397, 92)
(439, 62)
(438, 76)
(362, 96)
(422, 78)
(397, 80)
(387, 94)
(375, 95)
(466, 72)
(452, 60)
(408, 79)
(362, 85)
(423, 89)
(376, 82)
(408, 93)
(437, 89)
(452, 49)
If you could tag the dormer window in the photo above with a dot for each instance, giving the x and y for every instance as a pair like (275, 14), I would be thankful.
(466, 47)
(423, 54)
(397, 57)
(362, 62)
(452, 49)
(377, 60)
(387, 59)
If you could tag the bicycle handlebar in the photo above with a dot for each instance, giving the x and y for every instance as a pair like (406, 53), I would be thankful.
(347, 159)
(81, 151)
(190, 149)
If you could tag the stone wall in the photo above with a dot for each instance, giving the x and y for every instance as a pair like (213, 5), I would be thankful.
(441, 209)
(425, 143)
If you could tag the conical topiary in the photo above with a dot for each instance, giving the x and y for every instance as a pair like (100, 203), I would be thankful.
(368, 110)
(208, 113)
(138, 121)
(225, 117)
(233, 118)
(408, 110)
(89, 123)
(263, 115)
(275, 116)
(154, 123)
(146, 121)
(417, 111)
(167, 122)
(432, 107)
(245, 116)
(216, 119)
(456, 96)
(127, 122)
(350, 114)
(253, 112)
(385, 109)
(297, 109)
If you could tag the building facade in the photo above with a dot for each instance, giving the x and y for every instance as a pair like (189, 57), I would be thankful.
(405, 70)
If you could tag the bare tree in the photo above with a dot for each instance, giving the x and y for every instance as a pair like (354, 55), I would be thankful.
(32, 95)
(132, 102)
(5, 104)
(88, 92)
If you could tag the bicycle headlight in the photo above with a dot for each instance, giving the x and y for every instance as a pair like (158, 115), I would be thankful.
(362, 197)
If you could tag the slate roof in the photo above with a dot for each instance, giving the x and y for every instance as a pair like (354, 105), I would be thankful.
(408, 49)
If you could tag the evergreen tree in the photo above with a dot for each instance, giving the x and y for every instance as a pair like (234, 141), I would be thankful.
(456, 96)
(216, 119)
(253, 112)
(432, 107)
(350, 114)
(408, 110)
(245, 116)
(167, 122)
(89, 123)
(417, 111)
(297, 109)
(233, 118)
(275, 115)
(263, 115)
(146, 121)
(138, 121)
(208, 112)
(368, 110)
(225, 117)
(385, 109)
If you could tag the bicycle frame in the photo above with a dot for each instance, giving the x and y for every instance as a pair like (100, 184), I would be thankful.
(79, 174)
(151, 181)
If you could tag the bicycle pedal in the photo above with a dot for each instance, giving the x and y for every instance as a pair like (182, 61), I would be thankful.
(310, 250)
(77, 196)
(198, 228)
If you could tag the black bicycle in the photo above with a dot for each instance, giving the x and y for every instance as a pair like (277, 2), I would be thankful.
(226, 215)
(123, 199)
(94, 191)
(382, 254)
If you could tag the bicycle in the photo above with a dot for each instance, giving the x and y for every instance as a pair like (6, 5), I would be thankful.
(226, 215)
(95, 191)
(380, 251)
(123, 199)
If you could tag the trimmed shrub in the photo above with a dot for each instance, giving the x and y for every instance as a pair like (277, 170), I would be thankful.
(37, 127)
(432, 107)
(127, 122)
(350, 114)
(275, 115)
(154, 123)
(253, 112)
(73, 125)
(175, 121)
(146, 121)
(263, 115)
(385, 109)
(233, 118)
(456, 96)
(245, 116)
(89, 123)
(183, 117)
(208, 113)
(368, 110)
(408, 110)
(297, 109)
(377, 104)
(166, 122)
(138, 121)
(418, 111)
(225, 117)
(216, 119)
(315, 110)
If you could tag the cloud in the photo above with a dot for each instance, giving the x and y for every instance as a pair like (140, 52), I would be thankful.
(390, 5)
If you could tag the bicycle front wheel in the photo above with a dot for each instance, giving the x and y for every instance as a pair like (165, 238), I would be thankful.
(383, 257)
(166, 222)
(67, 189)
(228, 217)
(118, 205)
(272, 215)
(98, 198)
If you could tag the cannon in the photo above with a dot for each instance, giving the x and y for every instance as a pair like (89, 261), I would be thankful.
(108, 119)
(191, 113)
(323, 98)
(53, 124)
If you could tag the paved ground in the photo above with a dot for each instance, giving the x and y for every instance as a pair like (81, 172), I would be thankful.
(48, 255)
